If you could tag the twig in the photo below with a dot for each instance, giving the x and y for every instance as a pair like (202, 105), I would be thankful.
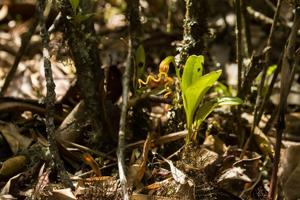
(271, 5)
(50, 100)
(8, 104)
(259, 16)
(260, 101)
(87, 149)
(159, 141)
(55, 23)
(121, 143)
(148, 97)
(133, 19)
(239, 59)
(25, 41)
(275, 113)
(287, 76)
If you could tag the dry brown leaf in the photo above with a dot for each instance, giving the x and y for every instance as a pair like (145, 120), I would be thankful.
(62, 194)
(234, 173)
(214, 143)
(177, 174)
(43, 181)
(137, 170)
(10, 184)
(263, 142)
(16, 141)
(7, 197)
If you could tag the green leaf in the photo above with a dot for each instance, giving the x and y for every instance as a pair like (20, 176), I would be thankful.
(192, 71)
(206, 108)
(74, 4)
(82, 17)
(271, 70)
(140, 61)
(193, 94)
(222, 89)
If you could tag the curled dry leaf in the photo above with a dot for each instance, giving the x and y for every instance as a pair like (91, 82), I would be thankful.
(12, 166)
(178, 175)
(43, 181)
(8, 186)
(3, 12)
(233, 180)
(236, 173)
(89, 160)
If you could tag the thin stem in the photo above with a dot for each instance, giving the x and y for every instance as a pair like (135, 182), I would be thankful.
(50, 100)
(133, 21)
(247, 31)
(287, 76)
(238, 31)
(260, 100)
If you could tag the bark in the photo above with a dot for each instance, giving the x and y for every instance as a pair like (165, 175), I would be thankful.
(195, 29)
(83, 46)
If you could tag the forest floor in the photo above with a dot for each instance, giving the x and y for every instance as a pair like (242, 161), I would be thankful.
(160, 165)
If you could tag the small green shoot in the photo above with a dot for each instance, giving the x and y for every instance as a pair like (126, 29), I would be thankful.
(74, 4)
(194, 86)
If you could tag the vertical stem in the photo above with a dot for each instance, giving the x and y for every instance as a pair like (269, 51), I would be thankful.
(260, 100)
(287, 75)
(280, 129)
(247, 31)
(238, 31)
(50, 100)
(133, 23)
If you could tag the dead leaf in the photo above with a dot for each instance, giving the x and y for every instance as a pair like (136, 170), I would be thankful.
(89, 160)
(214, 143)
(137, 169)
(290, 172)
(12, 166)
(7, 197)
(263, 142)
(234, 173)
(43, 181)
(3, 12)
(152, 197)
(16, 141)
(10, 184)
(62, 194)
(178, 175)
